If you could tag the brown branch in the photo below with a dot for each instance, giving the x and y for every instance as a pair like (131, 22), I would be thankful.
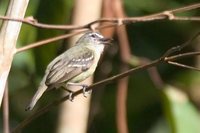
(53, 39)
(183, 65)
(186, 8)
(187, 18)
(39, 43)
(180, 47)
(121, 102)
(111, 22)
(122, 86)
(33, 22)
(168, 14)
(153, 73)
(188, 54)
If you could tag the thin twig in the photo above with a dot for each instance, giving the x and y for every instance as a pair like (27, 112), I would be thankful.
(182, 55)
(186, 8)
(33, 22)
(53, 39)
(179, 47)
(168, 14)
(39, 43)
(183, 65)
(187, 18)
(154, 74)
(110, 22)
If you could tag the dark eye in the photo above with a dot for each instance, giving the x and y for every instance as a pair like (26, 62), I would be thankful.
(93, 36)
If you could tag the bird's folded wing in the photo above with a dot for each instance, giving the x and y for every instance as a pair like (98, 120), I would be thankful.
(67, 68)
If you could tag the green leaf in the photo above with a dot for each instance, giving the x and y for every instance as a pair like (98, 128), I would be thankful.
(182, 115)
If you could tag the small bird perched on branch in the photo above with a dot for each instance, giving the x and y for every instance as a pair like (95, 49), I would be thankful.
(73, 66)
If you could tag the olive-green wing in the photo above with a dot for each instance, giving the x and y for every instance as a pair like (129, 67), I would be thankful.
(65, 68)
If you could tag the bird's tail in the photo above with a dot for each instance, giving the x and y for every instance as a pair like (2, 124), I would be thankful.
(42, 88)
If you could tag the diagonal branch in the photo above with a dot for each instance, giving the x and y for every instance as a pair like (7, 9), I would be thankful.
(183, 65)
(39, 43)
(186, 8)
(182, 55)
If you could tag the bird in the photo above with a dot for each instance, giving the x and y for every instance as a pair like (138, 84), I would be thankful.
(73, 66)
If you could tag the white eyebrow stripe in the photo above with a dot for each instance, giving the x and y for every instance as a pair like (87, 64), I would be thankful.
(98, 35)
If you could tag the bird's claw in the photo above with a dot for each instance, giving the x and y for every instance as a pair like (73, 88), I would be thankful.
(71, 98)
(85, 93)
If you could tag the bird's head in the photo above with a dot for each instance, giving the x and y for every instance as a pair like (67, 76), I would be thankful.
(93, 38)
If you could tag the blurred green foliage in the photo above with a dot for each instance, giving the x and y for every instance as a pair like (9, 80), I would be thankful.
(150, 110)
(181, 113)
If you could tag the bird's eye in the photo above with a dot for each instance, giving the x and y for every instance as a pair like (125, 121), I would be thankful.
(93, 36)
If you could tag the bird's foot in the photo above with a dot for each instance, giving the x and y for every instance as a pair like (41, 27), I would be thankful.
(85, 92)
(71, 98)
(84, 87)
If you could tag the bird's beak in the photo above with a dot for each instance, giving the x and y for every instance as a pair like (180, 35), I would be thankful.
(106, 41)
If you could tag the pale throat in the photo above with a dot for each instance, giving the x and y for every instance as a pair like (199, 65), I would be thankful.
(99, 48)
